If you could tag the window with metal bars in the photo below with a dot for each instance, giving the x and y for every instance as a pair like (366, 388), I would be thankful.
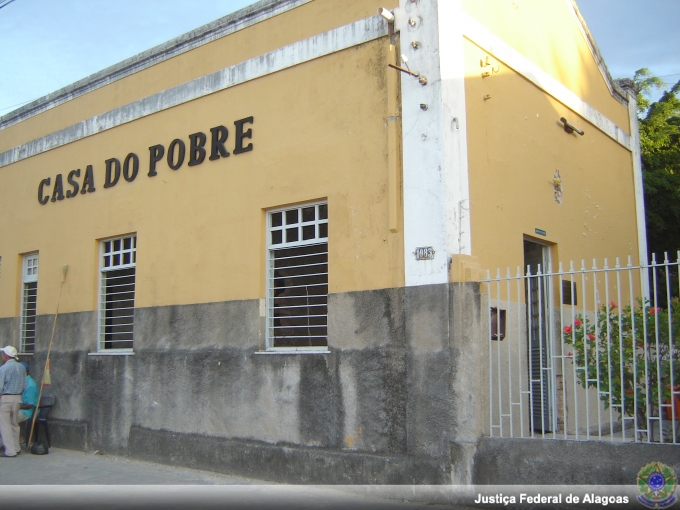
(29, 298)
(117, 293)
(297, 278)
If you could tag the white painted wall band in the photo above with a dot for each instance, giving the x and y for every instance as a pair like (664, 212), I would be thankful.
(283, 58)
(493, 45)
(639, 187)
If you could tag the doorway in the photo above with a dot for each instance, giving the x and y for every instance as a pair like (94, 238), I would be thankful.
(539, 334)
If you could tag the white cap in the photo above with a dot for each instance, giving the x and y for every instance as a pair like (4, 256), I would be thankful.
(10, 351)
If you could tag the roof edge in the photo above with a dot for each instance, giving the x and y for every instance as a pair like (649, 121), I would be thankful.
(616, 90)
(243, 18)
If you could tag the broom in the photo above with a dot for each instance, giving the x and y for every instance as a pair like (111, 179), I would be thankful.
(46, 379)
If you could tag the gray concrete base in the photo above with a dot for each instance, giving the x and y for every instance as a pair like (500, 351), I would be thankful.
(382, 406)
(69, 434)
(561, 462)
(281, 463)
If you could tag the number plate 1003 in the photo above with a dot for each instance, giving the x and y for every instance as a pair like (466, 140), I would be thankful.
(425, 253)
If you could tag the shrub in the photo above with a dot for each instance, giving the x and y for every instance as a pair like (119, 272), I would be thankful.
(628, 356)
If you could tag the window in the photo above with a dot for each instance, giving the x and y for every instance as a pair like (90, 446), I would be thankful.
(569, 295)
(117, 293)
(297, 278)
(29, 298)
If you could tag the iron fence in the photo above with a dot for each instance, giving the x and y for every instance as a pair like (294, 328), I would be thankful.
(585, 354)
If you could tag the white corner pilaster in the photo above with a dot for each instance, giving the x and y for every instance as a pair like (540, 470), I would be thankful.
(434, 142)
(637, 179)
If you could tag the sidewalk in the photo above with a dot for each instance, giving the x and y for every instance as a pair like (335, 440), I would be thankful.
(74, 480)
(69, 467)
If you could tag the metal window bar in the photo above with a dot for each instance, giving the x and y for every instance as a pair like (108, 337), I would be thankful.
(305, 275)
(117, 302)
(28, 316)
(297, 308)
(606, 370)
(295, 257)
(322, 264)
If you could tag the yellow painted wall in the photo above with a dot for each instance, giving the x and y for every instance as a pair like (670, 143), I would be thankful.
(515, 144)
(547, 33)
(200, 229)
(295, 25)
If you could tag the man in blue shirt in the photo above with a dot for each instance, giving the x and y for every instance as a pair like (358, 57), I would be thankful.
(29, 398)
(12, 385)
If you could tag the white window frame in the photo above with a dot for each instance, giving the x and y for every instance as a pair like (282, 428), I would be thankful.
(105, 268)
(272, 247)
(29, 274)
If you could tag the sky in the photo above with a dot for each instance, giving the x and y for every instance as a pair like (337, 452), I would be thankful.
(48, 44)
(632, 34)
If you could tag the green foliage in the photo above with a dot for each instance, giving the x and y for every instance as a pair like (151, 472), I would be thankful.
(659, 124)
(620, 354)
(645, 82)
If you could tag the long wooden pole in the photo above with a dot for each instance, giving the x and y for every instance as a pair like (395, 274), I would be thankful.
(36, 411)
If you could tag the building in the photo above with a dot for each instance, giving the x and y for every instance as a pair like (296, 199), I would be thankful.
(274, 228)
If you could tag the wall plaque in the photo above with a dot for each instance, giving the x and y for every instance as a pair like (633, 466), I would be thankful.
(425, 253)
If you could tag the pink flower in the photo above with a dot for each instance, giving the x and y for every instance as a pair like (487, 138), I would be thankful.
(570, 355)
(654, 311)
(568, 330)
(577, 322)
(629, 392)
(591, 337)
(612, 304)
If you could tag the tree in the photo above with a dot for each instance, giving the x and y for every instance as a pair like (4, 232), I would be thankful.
(659, 124)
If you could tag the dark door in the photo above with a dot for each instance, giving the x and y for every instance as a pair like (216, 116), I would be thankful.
(537, 288)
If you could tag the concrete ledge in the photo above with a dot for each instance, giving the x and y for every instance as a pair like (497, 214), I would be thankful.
(282, 463)
(69, 434)
(558, 462)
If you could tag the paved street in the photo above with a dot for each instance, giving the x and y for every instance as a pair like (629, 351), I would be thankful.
(70, 479)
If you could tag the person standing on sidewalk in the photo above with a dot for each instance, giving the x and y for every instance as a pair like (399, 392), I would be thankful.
(12, 384)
